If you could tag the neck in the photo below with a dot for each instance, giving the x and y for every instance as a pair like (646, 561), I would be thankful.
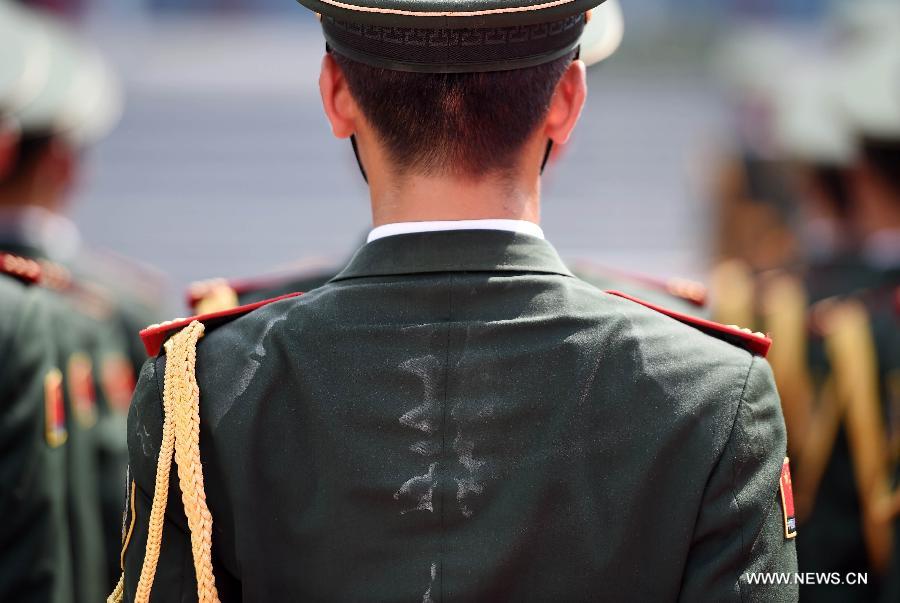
(413, 198)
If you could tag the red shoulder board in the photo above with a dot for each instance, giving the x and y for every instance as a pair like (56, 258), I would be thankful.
(23, 269)
(155, 336)
(755, 343)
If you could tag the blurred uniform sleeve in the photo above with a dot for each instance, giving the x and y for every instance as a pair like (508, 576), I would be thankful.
(174, 579)
(34, 560)
(740, 529)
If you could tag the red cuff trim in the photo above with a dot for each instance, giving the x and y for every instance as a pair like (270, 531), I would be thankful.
(155, 336)
(787, 501)
(753, 343)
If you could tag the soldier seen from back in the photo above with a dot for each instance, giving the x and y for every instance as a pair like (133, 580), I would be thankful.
(455, 416)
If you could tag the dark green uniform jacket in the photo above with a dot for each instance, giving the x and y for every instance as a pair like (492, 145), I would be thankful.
(35, 562)
(455, 417)
(86, 336)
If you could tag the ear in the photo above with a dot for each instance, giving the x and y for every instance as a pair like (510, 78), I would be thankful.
(566, 104)
(340, 108)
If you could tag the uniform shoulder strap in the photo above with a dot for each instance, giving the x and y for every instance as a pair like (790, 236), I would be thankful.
(155, 336)
(22, 269)
(181, 441)
(755, 343)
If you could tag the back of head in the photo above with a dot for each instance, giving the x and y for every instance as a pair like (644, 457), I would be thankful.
(454, 124)
(457, 88)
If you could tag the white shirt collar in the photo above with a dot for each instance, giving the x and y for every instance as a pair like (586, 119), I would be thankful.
(398, 228)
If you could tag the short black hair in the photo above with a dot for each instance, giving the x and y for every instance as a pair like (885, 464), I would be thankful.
(883, 154)
(466, 124)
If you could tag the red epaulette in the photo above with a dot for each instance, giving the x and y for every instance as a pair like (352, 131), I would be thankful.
(155, 336)
(755, 343)
(23, 269)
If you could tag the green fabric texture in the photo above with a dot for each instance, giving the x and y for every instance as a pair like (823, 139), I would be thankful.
(456, 417)
(35, 558)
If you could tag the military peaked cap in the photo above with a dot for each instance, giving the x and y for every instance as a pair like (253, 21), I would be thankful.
(453, 36)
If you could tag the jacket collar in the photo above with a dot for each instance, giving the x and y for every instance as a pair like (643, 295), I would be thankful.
(454, 251)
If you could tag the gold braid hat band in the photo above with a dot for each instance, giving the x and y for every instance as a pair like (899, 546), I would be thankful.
(181, 439)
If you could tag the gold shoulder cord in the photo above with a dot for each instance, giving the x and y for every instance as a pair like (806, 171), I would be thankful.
(181, 438)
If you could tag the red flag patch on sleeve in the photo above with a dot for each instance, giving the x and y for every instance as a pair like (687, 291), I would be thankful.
(787, 501)
(54, 409)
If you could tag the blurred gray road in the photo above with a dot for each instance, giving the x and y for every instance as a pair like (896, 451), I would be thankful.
(223, 165)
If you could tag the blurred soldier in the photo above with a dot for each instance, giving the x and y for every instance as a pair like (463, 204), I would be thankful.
(871, 100)
(35, 558)
(755, 206)
(819, 149)
(455, 416)
(753, 203)
(837, 362)
(73, 104)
